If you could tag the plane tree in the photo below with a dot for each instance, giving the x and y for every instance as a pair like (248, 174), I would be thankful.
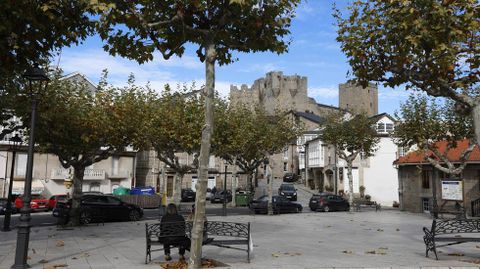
(137, 29)
(430, 45)
(83, 127)
(351, 137)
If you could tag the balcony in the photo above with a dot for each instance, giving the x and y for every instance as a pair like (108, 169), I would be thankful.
(90, 174)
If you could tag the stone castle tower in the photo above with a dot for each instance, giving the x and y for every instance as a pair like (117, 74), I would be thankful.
(278, 92)
(357, 99)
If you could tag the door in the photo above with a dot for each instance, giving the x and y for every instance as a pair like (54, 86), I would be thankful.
(332, 202)
(116, 208)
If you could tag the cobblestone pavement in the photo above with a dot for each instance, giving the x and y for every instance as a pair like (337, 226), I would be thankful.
(387, 239)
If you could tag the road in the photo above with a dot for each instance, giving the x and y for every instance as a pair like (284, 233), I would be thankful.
(40, 219)
(46, 219)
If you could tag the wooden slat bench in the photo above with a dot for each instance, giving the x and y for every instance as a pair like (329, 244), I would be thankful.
(449, 230)
(221, 234)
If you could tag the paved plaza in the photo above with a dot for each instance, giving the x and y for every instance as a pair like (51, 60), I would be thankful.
(307, 240)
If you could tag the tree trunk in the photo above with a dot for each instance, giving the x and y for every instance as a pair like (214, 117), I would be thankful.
(177, 189)
(78, 173)
(270, 191)
(350, 184)
(234, 181)
(476, 121)
(195, 261)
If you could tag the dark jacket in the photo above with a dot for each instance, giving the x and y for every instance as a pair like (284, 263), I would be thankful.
(173, 225)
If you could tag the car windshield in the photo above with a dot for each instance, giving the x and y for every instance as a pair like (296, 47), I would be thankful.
(288, 187)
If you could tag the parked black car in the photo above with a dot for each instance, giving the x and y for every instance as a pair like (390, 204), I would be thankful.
(218, 197)
(288, 191)
(328, 202)
(97, 207)
(289, 177)
(3, 206)
(188, 195)
(280, 205)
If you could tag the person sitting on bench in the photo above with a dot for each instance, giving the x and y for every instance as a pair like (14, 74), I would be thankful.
(173, 224)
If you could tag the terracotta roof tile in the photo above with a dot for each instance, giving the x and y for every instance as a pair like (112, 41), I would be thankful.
(453, 155)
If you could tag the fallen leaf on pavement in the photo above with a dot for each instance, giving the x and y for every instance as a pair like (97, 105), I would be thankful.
(456, 254)
(33, 250)
(347, 252)
(60, 243)
(398, 230)
(55, 266)
(379, 230)
(471, 261)
(276, 255)
(477, 246)
(377, 252)
(74, 258)
(384, 248)
(42, 261)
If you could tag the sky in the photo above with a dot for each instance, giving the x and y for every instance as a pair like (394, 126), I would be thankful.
(313, 53)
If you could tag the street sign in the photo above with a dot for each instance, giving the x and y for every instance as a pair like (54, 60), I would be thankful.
(452, 190)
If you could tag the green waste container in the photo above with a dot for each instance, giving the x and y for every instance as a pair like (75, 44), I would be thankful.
(121, 191)
(242, 199)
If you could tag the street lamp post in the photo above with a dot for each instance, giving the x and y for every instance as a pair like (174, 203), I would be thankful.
(34, 75)
(15, 144)
(225, 192)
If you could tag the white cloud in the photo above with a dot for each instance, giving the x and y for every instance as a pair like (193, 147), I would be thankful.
(157, 73)
(261, 68)
(323, 92)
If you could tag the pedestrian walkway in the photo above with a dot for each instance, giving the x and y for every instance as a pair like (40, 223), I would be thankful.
(387, 239)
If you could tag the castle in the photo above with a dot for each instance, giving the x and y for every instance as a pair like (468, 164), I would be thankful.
(277, 92)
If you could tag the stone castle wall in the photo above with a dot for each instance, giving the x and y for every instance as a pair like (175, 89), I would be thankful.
(358, 99)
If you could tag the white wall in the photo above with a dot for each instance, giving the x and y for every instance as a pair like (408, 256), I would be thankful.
(380, 177)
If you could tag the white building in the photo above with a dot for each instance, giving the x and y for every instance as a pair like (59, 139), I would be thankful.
(325, 171)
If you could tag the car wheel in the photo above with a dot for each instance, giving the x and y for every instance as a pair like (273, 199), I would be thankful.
(85, 217)
(297, 210)
(347, 208)
(326, 209)
(134, 215)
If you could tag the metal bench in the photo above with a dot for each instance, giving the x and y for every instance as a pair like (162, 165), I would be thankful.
(158, 233)
(230, 235)
(449, 230)
(221, 234)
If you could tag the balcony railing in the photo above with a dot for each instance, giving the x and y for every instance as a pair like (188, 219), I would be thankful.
(90, 174)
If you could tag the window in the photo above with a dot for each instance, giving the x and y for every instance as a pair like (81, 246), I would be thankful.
(285, 153)
(389, 127)
(115, 160)
(113, 200)
(426, 179)
(95, 186)
(381, 127)
(21, 164)
(284, 166)
(426, 205)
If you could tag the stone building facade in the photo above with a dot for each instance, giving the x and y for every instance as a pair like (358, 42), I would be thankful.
(416, 179)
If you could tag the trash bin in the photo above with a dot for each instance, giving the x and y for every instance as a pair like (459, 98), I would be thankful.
(143, 191)
(242, 199)
(121, 191)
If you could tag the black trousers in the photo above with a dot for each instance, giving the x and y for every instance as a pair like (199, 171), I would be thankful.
(183, 243)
